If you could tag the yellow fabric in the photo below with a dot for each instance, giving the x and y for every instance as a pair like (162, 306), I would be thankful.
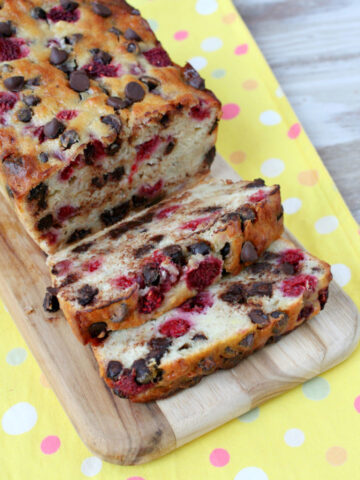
(322, 418)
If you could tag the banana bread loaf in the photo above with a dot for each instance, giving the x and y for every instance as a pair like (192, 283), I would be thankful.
(218, 327)
(137, 270)
(95, 118)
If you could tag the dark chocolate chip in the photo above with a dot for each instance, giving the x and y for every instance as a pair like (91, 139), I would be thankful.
(73, 39)
(102, 57)
(246, 214)
(261, 289)
(79, 81)
(69, 279)
(113, 370)
(158, 347)
(236, 293)
(214, 126)
(78, 234)
(101, 9)
(192, 77)
(31, 100)
(288, 268)
(113, 121)
(14, 84)
(38, 13)
(174, 252)
(58, 56)
(151, 274)
(184, 347)
(53, 129)
(305, 312)
(209, 156)
(165, 120)
(98, 330)
(199, 336)
(5, 29)
(150, 82)
(134, 92)
(45, 223)
(281, 323)
(169, 147)
(280, 215)
(115, 214)
(133, 48)
(143, 250)
(130, 34)
(9, 191)
(38, 193)
(113, 148)
(115, 31)
(86, 295)
(68, 138)
(247, 341)
(259, 267)
(224, 252)
(156, 238)
(82, 248)
(143, 374)
(118, 103)
(33, 82)
(248, 253)
(259, 317)
(117, 174)
(68, 5)
(135, 11)
(207, 365)
(51, 303)
(24, 115)
(258, 182)
(268, 256)
(201, 248)
(323, 296)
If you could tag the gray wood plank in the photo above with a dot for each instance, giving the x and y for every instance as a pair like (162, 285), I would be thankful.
(313, 47)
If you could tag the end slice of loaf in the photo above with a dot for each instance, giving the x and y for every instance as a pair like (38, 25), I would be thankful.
(218, 327)
(137, 270)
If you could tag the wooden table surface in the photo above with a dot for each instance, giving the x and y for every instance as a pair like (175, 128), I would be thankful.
(313, 47)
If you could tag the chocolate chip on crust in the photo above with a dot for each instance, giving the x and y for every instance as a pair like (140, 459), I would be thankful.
(69, 138)
(79, 81)
(5, 29)
(53, 129)
(258, 182)
(134, 92)
(192, 77)
(118, 103)
(24, 115)
(248, 253)
(114, 369)
(38, 13)
(282, 319)
(224, 252)
(98, 330)
(31, 100)
(113, 121)
(14, 84)
(69, 5)
(130, 34)
(247, 341)
(258, 317)
(101, 10)
(150, 82)
(86, 295)
(58, 56)
(51, 303)
(115, 31)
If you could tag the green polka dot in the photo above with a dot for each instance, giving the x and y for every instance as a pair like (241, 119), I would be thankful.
(316, 389)
(16, 356)
(153, 24)
(250, 416)
(219, 73)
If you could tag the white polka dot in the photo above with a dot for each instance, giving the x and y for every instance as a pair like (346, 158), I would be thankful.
(211, 44)
(326, 224)
(292, 205)
(20, 418)
(206, 7)
(16, 356)
(198, 62)
(294, 437)
(251, 473)
(342, 274)
(269, 117)
(279, 92)
(153, 24)
(91, 466)
(272, 167)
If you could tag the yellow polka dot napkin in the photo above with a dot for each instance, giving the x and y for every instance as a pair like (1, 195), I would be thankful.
(309, 433)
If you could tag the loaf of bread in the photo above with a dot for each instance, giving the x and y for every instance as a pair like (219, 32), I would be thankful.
(95, 119)
(218, 327)
(139, 269)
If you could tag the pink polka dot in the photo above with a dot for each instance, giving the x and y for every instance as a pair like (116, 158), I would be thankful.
(357, 403)
(50, 444)
(135, 478)
(219, 457)
(241, 49)
(294, 131)
(230, 110)
(181, 35)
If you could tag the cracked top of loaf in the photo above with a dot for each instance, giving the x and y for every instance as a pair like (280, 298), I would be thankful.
(80, 73)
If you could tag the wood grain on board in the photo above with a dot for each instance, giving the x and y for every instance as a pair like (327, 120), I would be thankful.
(121, 432)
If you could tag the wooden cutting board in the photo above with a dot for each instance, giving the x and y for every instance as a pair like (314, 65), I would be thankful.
(125, 433)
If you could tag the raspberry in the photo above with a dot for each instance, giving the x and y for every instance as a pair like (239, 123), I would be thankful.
(151, 301)
(12, 49)
(305, 312)
(143, 152)
(293, 256)
(122, 282)
(167, 212)
(65, 212)
(198, 304)
(174, 328)
(149, 191)
(204, 275)
(158, 57)
(67, 114)
(39, 133)
(7, 101)
(193, 224)
(67, 172)
(50, 237)
(199, 112)
(258, 196)
(127, 386)
(97, 69)
(61, 268)
(92, 265)
(57, 14)
(295, 286)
